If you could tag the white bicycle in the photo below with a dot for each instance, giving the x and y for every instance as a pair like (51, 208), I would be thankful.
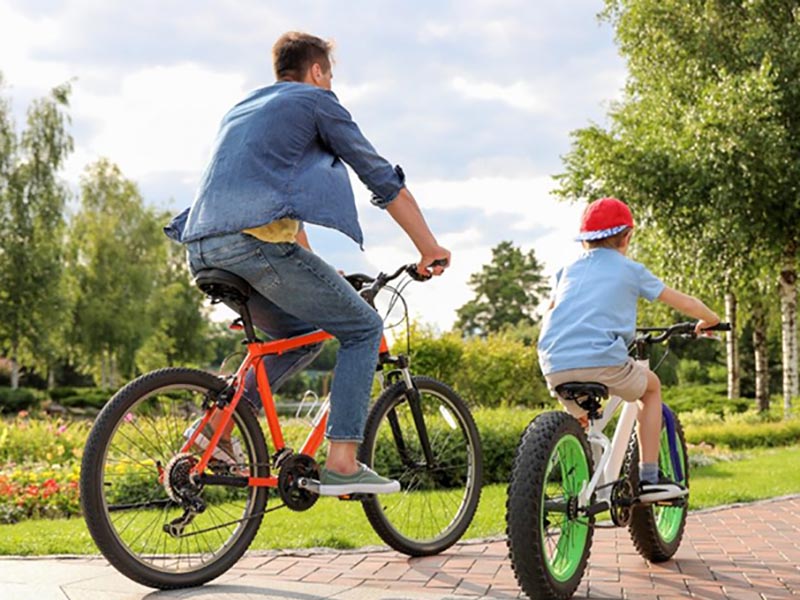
(564, 476)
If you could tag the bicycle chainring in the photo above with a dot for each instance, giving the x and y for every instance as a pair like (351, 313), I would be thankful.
(622, 500)
(293, 469)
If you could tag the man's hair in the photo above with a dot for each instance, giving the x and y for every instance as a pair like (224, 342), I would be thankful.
(295, 52)
(613, 242)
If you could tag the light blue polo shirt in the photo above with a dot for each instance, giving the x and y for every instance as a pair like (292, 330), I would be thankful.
(594, 317)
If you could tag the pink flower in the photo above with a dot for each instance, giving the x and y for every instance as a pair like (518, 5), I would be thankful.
(61, 429)
(22, 414)
(128, 417)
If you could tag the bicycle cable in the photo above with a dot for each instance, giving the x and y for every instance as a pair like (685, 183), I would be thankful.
(242, 520)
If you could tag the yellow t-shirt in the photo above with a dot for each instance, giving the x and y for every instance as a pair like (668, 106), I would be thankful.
(282, 230)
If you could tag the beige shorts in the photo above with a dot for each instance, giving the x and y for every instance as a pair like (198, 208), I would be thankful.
(628, 381)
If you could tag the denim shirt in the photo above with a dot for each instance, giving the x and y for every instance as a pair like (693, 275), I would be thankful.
(278, 154)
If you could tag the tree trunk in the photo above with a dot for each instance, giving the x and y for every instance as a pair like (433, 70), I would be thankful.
(788, 293)
(14, 368)
(732, 347)
(761, 358)
(103, 371)
(51, 378)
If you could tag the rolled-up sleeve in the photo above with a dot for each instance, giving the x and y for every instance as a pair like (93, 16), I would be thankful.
(339, 132)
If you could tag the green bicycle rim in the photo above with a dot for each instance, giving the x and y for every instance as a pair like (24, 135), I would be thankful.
(669, 518)
(563, 557)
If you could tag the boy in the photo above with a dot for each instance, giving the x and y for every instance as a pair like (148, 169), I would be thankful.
(592, 318)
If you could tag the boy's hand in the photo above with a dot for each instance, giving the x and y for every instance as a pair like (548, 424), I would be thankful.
(705, 324)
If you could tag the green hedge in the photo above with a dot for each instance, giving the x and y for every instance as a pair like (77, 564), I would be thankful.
(712, 398)
(499, 370)
(15, 400)
(746, 435)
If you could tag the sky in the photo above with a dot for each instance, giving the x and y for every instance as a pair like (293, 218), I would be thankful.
(474, 98)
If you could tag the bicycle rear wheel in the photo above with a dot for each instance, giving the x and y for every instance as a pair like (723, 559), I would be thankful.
(133, 450)
(438, 498)
(657, 530)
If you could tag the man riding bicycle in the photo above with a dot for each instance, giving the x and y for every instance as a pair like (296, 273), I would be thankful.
(278, 163)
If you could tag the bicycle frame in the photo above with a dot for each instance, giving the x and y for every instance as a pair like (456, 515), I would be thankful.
(609, 455)
(256, 351)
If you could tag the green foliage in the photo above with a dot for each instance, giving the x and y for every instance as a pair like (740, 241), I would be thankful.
(498, 370)
(746, 435)
(32, 202)
(507, 292)
(14, 400)
(704, 143)
(712, 398)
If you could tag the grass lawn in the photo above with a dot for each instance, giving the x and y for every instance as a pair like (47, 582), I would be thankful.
(763, 473)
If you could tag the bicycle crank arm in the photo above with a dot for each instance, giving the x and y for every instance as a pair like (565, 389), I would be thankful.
(312, 485)
(596, 508)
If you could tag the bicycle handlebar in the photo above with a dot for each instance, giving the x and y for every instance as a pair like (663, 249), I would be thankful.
(686, 328)
(359, 280)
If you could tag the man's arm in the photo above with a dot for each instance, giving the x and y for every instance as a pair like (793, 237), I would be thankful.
(405, 211)
(689, 305)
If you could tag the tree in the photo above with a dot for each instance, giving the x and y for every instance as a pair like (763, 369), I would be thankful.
(175, 309)
(32, 200)
(705, 142)
(507, 292)
(117, 252)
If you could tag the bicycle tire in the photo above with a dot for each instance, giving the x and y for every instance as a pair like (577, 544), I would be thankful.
(396, 517)
(657, 531)
(111, 541)
(528, 528)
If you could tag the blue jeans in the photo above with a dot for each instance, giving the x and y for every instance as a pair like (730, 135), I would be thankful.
(299, 292)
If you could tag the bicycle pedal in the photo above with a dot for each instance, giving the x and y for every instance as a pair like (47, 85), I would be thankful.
(356, 497)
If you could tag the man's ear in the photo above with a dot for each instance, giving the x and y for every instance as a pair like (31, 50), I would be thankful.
(316, 72)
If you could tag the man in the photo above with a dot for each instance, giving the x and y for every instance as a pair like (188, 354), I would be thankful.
(277, 163)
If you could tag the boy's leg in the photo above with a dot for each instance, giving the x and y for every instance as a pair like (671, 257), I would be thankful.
(652, 487)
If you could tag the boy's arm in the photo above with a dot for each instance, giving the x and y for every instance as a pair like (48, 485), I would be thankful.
(689, 305)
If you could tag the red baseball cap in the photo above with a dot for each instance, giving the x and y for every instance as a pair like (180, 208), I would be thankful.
(603, 218)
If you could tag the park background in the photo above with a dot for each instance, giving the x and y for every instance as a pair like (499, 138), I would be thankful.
(506, 116)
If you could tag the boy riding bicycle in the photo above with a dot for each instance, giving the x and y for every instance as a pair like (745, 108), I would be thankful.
(592, 319)
(277, 163)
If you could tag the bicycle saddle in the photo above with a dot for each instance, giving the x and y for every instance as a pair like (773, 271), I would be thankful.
(222, 285)
(579, 389)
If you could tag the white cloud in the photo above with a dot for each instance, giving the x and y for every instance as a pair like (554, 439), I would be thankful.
(527, 203)
(158, 119)
(519, 94)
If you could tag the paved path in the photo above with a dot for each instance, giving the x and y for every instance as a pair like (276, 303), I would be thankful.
(748, 552)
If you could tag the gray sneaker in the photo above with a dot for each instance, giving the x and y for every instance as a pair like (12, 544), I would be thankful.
(228, 451)
(363, 481)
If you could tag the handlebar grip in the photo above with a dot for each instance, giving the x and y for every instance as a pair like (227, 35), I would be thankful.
(719, 327)
(412, 269)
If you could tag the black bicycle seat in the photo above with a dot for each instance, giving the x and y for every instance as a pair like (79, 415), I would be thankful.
(580, 389)
(222, 286)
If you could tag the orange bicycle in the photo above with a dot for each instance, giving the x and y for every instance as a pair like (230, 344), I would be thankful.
(167, 514)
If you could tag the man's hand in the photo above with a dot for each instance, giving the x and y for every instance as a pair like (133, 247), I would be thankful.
(426, 266)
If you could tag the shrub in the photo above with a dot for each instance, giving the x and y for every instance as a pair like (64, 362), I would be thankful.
(15, 400)
(499, 370)
(746, 435)
(712, 398)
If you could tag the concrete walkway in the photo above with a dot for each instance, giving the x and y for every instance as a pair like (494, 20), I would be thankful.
(745, 552)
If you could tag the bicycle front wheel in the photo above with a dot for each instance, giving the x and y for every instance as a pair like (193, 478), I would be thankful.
(427, 440)
(548, 538)
(149, 518)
